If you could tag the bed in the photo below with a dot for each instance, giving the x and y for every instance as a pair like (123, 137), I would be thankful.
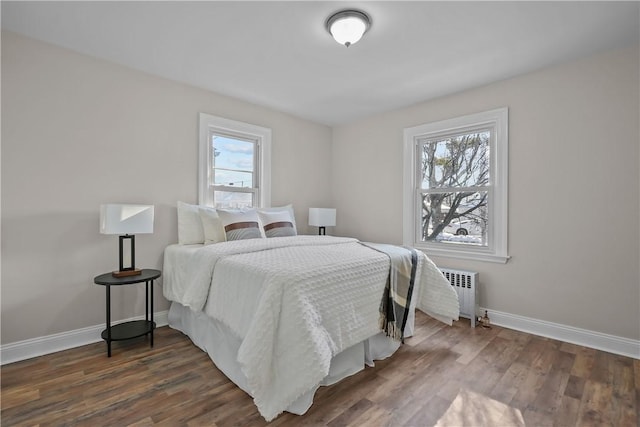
(282, 316)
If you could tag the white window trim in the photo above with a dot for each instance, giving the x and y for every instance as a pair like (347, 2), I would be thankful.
(210, 123)
(497, 250)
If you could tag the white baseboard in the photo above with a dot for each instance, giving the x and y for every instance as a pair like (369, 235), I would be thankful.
(35, 347)
(609, 343)
(28, 349)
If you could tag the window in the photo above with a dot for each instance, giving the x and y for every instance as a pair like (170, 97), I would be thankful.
(234, 170)
(455, 187)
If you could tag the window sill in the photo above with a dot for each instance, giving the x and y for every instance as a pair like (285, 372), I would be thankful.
(469, 255)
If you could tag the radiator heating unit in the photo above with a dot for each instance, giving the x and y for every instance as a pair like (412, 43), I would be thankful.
(466, 285)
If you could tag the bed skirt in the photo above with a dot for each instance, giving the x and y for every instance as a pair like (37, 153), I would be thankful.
(222, 346)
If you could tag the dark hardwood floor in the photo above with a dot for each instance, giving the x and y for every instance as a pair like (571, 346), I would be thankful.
(447, 376)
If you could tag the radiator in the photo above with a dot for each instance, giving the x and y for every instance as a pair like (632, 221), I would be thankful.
(466, 285)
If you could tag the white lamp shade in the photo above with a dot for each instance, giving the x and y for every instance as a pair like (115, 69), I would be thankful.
(320, 217)
(126, 219)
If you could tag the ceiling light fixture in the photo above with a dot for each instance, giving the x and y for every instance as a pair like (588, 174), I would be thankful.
(348, 26)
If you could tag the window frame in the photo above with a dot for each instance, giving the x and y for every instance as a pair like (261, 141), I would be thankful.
(497, 121)
(262, 161)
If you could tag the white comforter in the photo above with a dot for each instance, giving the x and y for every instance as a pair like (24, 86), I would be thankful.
(295, 302)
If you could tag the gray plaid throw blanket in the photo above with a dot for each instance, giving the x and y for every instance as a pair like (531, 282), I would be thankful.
(394, 307)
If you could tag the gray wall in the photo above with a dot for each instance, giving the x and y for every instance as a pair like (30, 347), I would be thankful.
(573, 190)
(78, 132)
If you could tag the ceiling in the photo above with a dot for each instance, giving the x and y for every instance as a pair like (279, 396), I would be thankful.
(278, 54)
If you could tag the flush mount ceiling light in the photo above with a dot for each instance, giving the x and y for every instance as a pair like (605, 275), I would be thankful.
(348, 26)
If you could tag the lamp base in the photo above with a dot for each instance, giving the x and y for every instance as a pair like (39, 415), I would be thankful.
(126, 273)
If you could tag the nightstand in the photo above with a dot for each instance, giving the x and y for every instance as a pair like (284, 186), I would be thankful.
(132, 329)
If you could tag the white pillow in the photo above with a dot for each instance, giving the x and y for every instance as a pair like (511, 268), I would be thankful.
(287, 208)
(240, 225)
(190, 230)
(277, 223)
(212, 225)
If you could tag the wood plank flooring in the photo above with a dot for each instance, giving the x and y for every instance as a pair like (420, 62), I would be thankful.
(445, 376)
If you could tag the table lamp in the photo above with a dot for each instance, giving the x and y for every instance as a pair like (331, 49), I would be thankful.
(126, 220)
(321, 218)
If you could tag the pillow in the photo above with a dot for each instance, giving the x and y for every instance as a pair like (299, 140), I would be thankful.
(212, 225)
(240, 225)
(190, 229)
(287, 208)
(277, 223)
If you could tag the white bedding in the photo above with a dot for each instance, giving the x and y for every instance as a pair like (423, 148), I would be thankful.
(294, 302)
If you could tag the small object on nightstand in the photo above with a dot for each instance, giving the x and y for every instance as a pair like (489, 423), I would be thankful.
(484, 320)
(135, 328)
(126, 220)
(322, 218)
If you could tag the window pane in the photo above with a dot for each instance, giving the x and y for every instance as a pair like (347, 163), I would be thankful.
(459, 218)
(456, 161)
(231, 200)
(233, 161)
(233, 178)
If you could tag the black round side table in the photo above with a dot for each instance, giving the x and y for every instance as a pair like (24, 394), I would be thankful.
(135, 328)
